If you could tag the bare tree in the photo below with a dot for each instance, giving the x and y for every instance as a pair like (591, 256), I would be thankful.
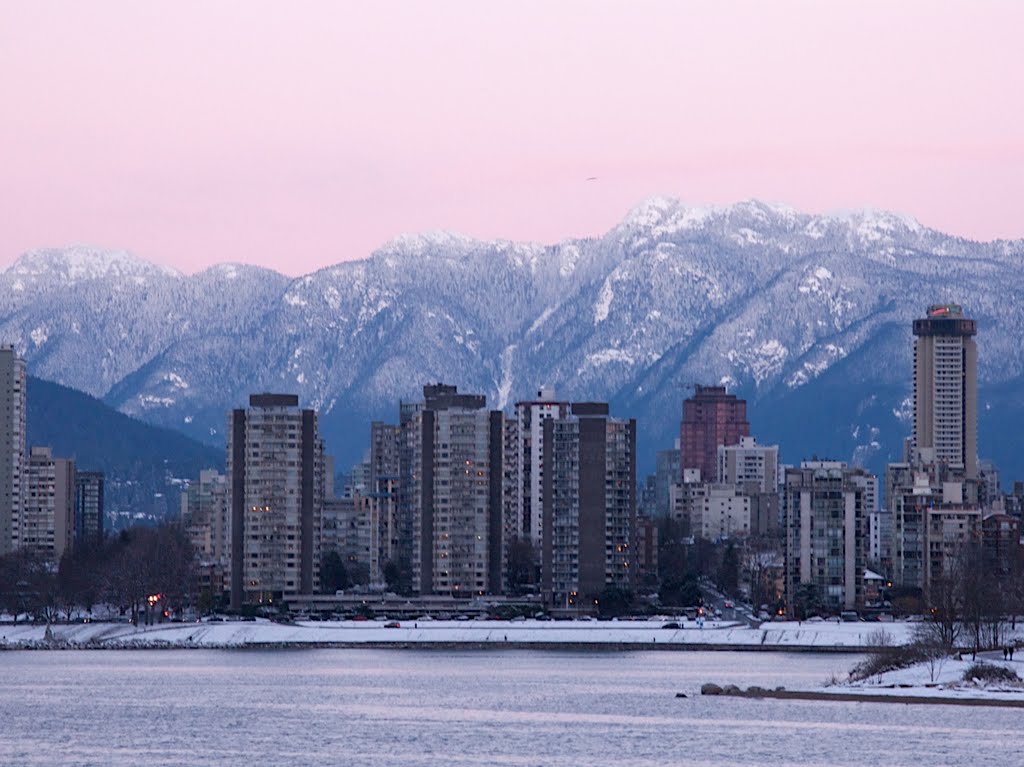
(28, 585)
(759, 563)
(931, 651)
(982, 598)
(944, 600)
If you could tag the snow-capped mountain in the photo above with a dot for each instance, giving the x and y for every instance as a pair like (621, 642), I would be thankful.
(807, 316)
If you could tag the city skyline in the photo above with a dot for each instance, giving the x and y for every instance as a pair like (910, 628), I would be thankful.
(297, 142)
(414, 375)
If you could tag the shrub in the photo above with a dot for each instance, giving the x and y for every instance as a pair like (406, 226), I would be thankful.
(985, 672)
(888, 659)
(879, 638)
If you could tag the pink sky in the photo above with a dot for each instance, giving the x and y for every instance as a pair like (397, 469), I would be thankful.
(299, 135)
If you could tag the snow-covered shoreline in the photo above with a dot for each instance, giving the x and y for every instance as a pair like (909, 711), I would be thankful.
(778, 636)
(985, 678)
(943, 678)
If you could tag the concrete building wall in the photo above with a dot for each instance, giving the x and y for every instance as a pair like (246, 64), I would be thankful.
(749, 464)
(719, 511)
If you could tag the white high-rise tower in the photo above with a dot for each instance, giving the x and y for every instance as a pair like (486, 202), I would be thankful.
(946, 389)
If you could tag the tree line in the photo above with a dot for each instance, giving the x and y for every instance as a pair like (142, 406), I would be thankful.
(974, 600)
(125, 571)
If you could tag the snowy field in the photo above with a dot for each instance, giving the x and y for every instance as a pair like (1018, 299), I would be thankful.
(776, 635)
(944, 679)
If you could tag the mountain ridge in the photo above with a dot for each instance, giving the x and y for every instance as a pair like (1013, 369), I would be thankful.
(141, 462)
(759, 296)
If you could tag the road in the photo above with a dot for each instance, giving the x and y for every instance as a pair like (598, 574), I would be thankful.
(716, 600)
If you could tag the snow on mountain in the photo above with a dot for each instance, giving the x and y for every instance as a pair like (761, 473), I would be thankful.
(778, 303)
(82, 263)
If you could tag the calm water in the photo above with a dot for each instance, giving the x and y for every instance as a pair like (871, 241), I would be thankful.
(401, 707)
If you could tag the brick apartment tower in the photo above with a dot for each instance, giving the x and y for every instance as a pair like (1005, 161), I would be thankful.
(711, 417)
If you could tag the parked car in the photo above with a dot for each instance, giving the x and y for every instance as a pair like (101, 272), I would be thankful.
(392, 625)
(671, 625)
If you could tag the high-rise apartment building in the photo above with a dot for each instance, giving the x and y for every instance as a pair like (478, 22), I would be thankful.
(453, 482)
(275, 471)
(666, 474)
(711, 417)
(351, 529)
(589, 505)
(934, 511)
(47, 522)
(89, 508)
(513, 530)
(384, 451)
(206, 517)
(381, 506)
(946, 389)
(12, 449)
(529, 459)
(827, 506)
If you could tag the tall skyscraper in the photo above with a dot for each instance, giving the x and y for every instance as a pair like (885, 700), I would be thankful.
(529, 459)
(946, 389)
(453, 477)
(47, 511)
(711, 417)
(88, 507)
(589, 505)
(275, 472)
(12, 449)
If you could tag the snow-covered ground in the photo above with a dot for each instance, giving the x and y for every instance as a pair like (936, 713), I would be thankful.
(943, 679)
(776, 635)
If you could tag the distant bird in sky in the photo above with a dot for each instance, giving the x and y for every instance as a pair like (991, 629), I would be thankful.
(591, 178)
